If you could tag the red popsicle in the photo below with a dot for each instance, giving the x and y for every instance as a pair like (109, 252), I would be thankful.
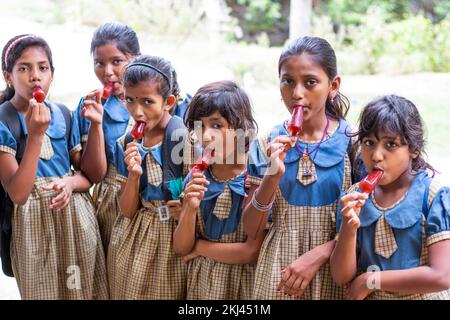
(370, 182)
(107, 90)
(38, 94)
(296, 123)
(203, 161)
(138, 130)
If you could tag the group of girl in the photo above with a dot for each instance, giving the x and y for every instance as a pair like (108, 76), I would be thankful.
(272, 217)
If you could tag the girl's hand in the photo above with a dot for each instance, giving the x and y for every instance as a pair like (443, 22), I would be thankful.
(133, 160)
(37, 119)
(92, 107)
(190, 256)
(351, 207)
(276, 150)
(297, 276)
(175, 208)
(195, 190)
(65, 192)
(358, 289)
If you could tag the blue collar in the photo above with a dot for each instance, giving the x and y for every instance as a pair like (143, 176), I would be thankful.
(330, 152)
(215, 188)
(155, 151)
(403, 215)
(57, 126)
(116, 110)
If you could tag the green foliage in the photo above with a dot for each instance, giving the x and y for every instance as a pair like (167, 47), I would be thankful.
(410, 45)
(260, 15)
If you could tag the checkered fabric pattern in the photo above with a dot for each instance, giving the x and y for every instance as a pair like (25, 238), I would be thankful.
(295, 231)
(385, 244)
(154, 170)
(145, 266)
(106, 200)
(46, 149)
(223, 204)
(441, 295)
(57, 254)
(8, 150)
(212, 280)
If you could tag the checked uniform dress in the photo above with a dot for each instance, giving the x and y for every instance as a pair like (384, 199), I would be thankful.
(56, 254)
(398, 237)
(304, 210)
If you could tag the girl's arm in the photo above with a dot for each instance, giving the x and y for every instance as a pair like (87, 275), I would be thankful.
(343, 261)
(66, 186)
(425, 279)
(18, 180)
(93, 159)
(230, 253)
(129, 196)
(254, 220)
(184, 235)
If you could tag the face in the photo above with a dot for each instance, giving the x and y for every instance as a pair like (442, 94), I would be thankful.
(303, 82)
(109, 65)
(387, 154)
(31, 70)
(218, 135)
(144, 103)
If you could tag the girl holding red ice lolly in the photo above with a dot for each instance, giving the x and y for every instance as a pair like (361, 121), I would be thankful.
(396, 221)
(54, 231)
(141, 261)
(101, 118)
(297, 174)
(210, 233)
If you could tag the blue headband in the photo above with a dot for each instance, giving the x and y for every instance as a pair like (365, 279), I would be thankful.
(151, 67)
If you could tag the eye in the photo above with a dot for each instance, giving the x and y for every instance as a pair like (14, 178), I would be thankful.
(98, 64)
(287, 82)
(44, 68)
(391, 145)
(148, 101)
(217, 126)
(368, 143)
(118, 61)
(128, 100)
(311, 82)
(22, 68)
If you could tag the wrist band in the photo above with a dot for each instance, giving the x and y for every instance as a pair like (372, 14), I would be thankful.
(261, 207)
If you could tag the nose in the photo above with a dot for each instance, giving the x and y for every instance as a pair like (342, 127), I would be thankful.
(377, 154)
(109, 70)
(35, 74)
(137, 111)
(299, 92)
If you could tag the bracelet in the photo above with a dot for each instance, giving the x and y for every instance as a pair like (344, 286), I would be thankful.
(261, 207)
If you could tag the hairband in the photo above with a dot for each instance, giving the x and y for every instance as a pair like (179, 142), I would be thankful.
(151, 67)
(12, 44)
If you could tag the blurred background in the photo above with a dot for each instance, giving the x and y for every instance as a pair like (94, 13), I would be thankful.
(383, 47)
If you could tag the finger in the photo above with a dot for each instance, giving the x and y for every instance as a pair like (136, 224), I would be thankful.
(198, 181)
(59, 197)
(98, 96)
(283, 139)
(48, 187)
(173, 203)
(61, 204)
(298, 282)
(290, 282)
(286, 273)
(193, 195)
(197, 174)
(195, 188)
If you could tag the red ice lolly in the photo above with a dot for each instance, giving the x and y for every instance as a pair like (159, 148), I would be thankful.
(203, 161)
(107, 90)
(138, 130)
(296, 123)
(38, 94)
(370, 182)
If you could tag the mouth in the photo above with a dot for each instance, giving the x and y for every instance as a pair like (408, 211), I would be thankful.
(377, 168)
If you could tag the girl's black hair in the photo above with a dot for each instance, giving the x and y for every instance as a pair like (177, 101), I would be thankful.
(396, 116)
(229, 99)
(14, 49)
(167, 79)
(322, 52)
(120, 34)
